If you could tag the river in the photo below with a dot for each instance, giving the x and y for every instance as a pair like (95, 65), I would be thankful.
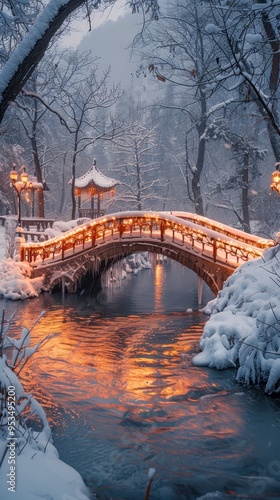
(122, 395)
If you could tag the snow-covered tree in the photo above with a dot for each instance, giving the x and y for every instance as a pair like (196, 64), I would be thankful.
(29, 50)
(245, 153)
(136, 161)
(84, 96)
(247, 48)
(177, 52)
(11, 154)
(188, 49)
(72, 100)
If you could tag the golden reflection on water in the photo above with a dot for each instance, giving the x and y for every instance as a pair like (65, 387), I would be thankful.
(130, 365)
(124, 386)
(158, 286)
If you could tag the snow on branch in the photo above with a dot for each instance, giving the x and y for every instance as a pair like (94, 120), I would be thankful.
(217, 107)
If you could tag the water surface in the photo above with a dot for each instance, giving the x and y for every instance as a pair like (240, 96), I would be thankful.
(122, 395)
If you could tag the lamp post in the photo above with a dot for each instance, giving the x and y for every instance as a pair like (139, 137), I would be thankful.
(19, 183)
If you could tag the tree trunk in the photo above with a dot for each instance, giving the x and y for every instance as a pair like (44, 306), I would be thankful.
(274, 141)
(20, 73)
(139, 205)
(74, 175)
(62, 200)
(245, 194)
(38, 170)
(73, 193)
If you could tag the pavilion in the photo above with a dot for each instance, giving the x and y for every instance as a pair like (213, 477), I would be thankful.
(92, 186)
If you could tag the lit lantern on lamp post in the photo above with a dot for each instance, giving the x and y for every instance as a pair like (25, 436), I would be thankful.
(275, 179)
(19, 183)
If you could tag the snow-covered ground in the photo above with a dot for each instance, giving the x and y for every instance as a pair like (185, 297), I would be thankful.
(15, 281)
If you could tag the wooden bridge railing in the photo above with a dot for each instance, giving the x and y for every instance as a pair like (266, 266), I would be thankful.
(221, 228)
(151, 227)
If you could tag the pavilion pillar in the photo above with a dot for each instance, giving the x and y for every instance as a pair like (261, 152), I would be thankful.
(92, 206)
(98, 205)
(32, 202)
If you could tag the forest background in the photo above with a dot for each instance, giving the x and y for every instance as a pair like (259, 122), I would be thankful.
(178, 102)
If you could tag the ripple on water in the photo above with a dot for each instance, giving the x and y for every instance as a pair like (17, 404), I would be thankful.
(122, 396)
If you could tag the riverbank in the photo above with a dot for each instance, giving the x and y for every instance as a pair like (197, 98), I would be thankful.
(244, 328)
(30, 468)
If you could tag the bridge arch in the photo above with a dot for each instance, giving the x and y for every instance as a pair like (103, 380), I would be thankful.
(212, 252)
(99, 261)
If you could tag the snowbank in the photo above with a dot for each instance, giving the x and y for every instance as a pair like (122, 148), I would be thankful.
(244, 328)
(39, 475)
(30, 468)
(15, 281)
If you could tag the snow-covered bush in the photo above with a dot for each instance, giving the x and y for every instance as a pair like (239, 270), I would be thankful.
(244, 328)
(15, 281)
(15, 404)
(25, 435)
(61, 226)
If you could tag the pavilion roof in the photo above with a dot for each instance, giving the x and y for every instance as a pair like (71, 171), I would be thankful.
(95, 178)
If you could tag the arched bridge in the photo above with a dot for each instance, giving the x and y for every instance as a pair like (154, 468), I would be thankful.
(211, 249)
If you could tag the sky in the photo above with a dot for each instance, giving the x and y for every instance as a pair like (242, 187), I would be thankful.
(110, 38)
(80, 28)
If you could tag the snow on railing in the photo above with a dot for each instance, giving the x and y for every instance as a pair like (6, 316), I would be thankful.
(221, 228)
(215, 243)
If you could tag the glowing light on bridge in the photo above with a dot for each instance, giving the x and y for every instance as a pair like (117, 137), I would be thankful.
(217, 248)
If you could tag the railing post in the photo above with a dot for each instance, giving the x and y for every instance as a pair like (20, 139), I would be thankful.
(22, 254)
(93, 236)
(121, 228)
(214, 250)
(162, 230)
(62, 249)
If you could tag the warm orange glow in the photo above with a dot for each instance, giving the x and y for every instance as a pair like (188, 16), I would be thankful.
(13, 175)
(24, 176)
(119, 371)
(244, 249)
(275, 181)
(158, 282)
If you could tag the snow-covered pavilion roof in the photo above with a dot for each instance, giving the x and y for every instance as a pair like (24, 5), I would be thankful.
(95, 178)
